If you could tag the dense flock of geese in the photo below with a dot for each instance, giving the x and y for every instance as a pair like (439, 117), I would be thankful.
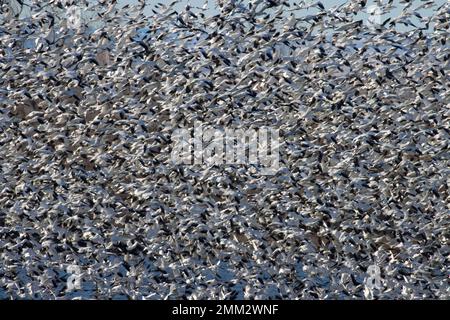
(86, 117)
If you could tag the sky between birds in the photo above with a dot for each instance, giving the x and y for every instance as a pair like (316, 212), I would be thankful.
(328, 4)
(212, 7)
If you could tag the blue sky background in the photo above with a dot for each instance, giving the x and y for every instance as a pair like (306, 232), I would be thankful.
(326, 3)
(212, 9)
